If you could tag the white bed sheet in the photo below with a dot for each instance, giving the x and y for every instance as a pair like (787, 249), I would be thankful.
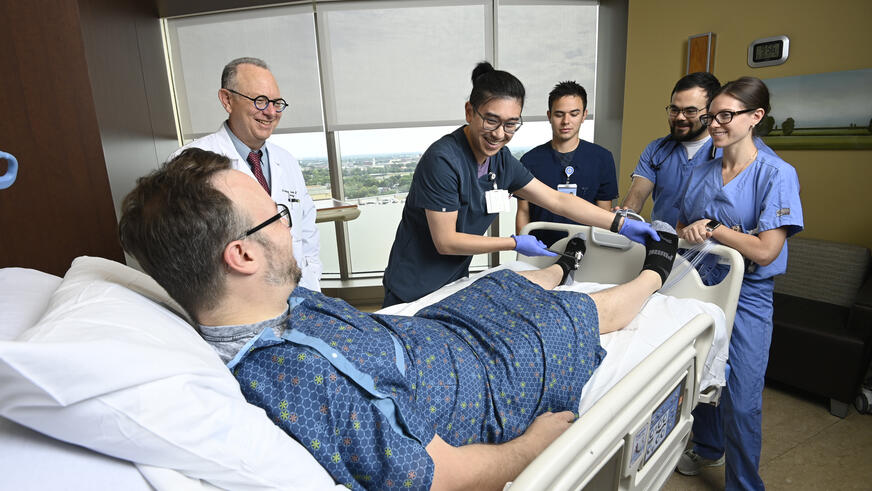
(626, 347)
(30, 460)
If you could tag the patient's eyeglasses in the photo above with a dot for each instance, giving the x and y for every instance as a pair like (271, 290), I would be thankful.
(284, 215)
(261, 102)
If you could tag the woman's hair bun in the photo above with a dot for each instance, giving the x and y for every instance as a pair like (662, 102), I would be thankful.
(480, 69)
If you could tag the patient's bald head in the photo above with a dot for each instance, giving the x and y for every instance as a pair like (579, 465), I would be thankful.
(176, 223)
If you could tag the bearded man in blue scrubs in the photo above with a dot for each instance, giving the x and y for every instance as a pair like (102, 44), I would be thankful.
(567, 163)
(666, 162)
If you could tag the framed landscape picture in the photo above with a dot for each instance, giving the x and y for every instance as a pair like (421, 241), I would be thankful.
(822, 111)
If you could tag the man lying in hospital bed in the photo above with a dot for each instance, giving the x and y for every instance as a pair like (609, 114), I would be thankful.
(377, 399)
(402, 425)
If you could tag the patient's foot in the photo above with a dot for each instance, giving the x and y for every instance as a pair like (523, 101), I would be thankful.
(571, 257)
(659, 256)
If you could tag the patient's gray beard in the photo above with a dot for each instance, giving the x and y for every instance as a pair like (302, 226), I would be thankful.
(278, 277)
(281, 274)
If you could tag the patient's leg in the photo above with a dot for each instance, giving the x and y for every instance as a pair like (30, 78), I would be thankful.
(559, 272)
(547, 278)
(618, 305)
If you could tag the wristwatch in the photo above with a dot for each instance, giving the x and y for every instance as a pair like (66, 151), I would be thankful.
(712, 225)
(614, 228)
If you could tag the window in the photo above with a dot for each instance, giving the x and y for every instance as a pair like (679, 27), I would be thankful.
(200, 46)
(377, 168)
(310, 149)
(399, 64)
(543, 43)
(373, 83)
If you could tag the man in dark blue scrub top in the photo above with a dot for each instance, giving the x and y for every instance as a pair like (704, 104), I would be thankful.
(567, 163)
(462, 181)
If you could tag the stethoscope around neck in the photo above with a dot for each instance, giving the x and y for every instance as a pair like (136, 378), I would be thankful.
(676, 144)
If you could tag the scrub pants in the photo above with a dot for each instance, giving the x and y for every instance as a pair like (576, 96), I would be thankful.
(735, 426)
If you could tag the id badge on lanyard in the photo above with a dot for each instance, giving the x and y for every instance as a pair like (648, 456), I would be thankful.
(567, 187)
(497, 200)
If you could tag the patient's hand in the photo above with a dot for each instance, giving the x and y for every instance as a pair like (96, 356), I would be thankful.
(485, 466)
(546, 428)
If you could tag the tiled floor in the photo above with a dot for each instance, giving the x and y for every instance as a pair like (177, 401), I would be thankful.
(804, 448)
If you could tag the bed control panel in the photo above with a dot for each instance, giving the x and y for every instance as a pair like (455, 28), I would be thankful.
(644, 441)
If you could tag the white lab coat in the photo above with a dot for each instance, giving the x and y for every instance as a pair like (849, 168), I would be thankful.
(286, 183)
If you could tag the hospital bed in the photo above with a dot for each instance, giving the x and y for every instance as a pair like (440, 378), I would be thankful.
(103, 359)
(635, 411)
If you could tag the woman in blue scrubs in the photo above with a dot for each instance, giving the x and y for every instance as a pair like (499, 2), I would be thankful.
(446, 214)
(747, 200)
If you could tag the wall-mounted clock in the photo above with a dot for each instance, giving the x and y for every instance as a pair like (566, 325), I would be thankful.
(768, 51)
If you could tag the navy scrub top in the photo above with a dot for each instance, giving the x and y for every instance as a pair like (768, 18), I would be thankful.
(594, 176)
(446, 179)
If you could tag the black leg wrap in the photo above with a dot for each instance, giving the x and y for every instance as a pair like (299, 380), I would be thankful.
(568, 261)
(659, 256)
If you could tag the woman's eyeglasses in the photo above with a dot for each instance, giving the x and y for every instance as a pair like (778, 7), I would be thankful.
(722, 117)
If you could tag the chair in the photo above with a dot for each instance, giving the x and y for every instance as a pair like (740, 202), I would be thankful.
(822, 333)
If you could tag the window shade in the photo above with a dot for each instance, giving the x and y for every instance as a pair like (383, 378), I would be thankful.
(543, 43)
(388, 64)
(283, 37)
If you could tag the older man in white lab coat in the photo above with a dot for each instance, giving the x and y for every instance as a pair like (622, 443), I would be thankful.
(250, 95)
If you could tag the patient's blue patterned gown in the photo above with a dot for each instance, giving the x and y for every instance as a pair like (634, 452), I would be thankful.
(365, 393)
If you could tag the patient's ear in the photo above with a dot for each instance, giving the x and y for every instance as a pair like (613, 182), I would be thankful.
(240, 257)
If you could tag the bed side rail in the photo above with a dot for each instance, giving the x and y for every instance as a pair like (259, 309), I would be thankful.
(600, 450)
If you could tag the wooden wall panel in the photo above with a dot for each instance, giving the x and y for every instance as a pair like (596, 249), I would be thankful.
(60, 207)
(128, 74)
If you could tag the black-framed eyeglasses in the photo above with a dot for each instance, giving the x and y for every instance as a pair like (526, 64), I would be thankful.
(284, 215)
(261, 102)
(491, 124)
(689, 112)
(722, 117)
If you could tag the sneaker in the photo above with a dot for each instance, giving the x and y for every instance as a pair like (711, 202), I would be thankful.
(690, 463)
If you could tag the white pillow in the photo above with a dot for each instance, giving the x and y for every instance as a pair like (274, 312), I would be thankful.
(24, 296)
(109, 369)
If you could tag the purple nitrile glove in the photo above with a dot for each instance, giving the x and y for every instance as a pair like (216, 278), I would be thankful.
(531, 246)
(637, 231)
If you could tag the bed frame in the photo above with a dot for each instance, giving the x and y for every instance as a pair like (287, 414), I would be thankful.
(632, 438)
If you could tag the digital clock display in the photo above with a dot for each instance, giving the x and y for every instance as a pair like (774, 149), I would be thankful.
(768, 51)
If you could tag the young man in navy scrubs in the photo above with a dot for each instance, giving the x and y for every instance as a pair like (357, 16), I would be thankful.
(567, 163)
